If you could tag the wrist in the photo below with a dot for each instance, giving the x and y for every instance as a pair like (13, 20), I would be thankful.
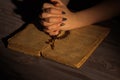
(80, 20)
(85, 17)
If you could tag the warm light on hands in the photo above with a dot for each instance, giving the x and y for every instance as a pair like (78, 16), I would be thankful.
(58, 17)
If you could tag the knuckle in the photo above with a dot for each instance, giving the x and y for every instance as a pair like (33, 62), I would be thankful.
(45, 5)
(48, 15)
(45, 15)
(47, 10)
(52, 10)
(58, 19)
(45, 24)
(50, 19)
(42, 15)
(49, 27)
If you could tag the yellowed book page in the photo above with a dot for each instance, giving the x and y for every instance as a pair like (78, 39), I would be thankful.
(75, 49)
(29, 41)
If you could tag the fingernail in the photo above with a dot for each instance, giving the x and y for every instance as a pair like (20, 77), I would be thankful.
(64, 19)
(63, 12)
(62, 24)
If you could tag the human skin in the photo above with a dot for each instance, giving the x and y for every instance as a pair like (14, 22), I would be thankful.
(103, 11)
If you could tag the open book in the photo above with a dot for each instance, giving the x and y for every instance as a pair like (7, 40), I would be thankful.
(72, 50)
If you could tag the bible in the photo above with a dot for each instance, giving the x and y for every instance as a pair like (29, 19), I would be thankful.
(72, 50)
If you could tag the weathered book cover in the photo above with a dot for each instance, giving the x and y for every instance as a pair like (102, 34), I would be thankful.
(73, 50)
(29, 41)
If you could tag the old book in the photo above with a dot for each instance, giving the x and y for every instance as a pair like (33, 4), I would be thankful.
(29, 41)
(72, 50)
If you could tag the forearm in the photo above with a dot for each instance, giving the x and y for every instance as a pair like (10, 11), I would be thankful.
(99, 12)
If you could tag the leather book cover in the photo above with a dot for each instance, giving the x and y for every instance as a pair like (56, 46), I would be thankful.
(72, 50)
(75, 49)
(29, 41)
